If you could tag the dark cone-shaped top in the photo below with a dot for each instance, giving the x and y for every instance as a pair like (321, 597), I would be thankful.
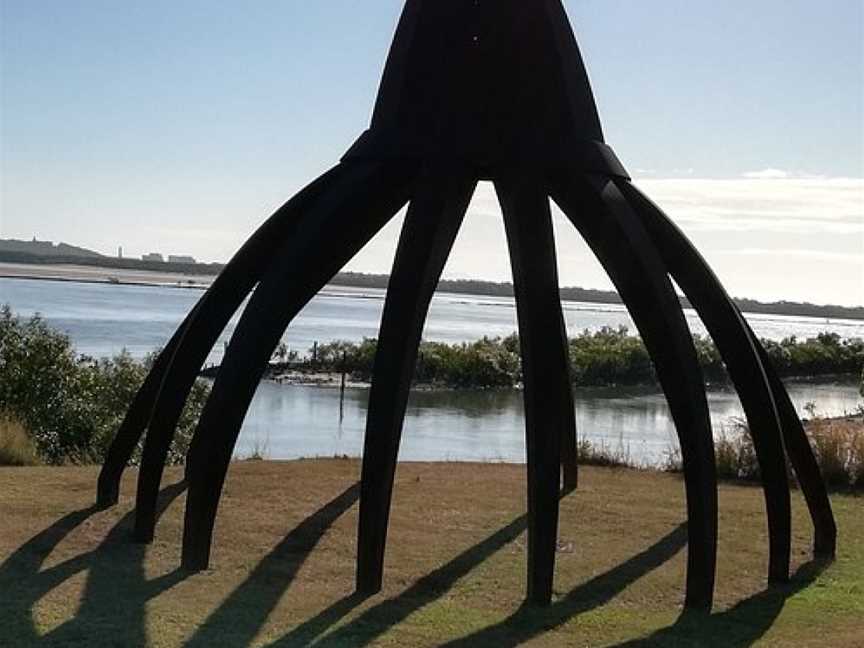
(491, 81)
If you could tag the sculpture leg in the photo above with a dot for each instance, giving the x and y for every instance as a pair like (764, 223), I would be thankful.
(210, 318)
(545, 365)
(730, 334)
(333, 231)
(437, 208)
(243, 270)
(569, 453)
(803, 461)
(602, 214)
(134, 423)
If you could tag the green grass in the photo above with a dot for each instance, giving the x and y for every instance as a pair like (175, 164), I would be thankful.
(283, 564)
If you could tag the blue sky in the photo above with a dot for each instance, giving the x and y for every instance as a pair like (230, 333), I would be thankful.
(179, 126)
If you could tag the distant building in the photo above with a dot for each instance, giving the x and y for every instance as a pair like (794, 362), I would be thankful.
(153, 256)
(180, 258)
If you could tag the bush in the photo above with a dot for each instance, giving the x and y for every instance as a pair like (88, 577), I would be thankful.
(838, 445)
(839, 448)
(16, 448)
(607, 357)
(591, 454)
(735, 453)
(70, 405)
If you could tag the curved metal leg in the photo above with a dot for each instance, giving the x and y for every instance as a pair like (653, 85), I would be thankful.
(134, 423)
(545, 364)
(803, 461)
(730, 334)
(569, 454)
(603, 216)
(433, 220)
(210, 318)
(332, 233)
(239, 275)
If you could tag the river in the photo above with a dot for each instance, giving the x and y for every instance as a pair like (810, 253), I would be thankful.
(303, 421)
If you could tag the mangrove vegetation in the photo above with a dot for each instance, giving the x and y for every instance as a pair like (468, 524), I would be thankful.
(607, 357)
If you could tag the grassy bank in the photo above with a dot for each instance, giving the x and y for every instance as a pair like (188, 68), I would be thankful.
(607, 357)
(283, 565)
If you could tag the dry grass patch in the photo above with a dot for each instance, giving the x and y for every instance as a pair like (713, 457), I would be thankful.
(16, 448)
(283, 564)
(839, 447)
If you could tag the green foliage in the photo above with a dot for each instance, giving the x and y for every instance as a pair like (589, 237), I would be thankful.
(488, 362)
(825, 354)
(72, 405)
(606, 357)
(353, 358)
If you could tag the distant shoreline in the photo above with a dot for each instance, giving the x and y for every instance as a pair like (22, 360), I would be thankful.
(75, 273)
(200, 276)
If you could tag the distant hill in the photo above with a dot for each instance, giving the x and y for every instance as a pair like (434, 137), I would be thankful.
(362, 280)
(47, 249)
(101, 261)
(572, 293)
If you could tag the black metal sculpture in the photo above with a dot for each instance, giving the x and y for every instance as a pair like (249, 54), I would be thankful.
(475, 89)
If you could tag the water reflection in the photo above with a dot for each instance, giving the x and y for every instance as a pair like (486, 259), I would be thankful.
(299, 421)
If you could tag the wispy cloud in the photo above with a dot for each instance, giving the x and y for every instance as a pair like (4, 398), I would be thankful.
(792, 238)
(787, 205)
(818, 255)
(767, 174)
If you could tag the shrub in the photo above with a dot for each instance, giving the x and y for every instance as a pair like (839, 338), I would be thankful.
(16, 448)
(856, 460)
(735, 453)
(72, 405)
(839, 448)
(591, 454)
(606, 357)
(838, 445)
(609, 357)
(672, 461)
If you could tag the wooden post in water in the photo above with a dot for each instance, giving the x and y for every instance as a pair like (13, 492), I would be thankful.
(342, 389)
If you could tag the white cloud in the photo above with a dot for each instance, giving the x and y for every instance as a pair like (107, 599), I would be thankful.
(791, 205)
(820, 255)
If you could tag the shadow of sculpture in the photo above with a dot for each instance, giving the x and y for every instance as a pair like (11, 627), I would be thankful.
(22, 583)
(386, 614)
(117, 591)
(114, 595)
(239, 618)
(738, 627)
(529, 621)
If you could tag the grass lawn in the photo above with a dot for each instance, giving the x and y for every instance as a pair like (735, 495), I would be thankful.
(283, 565)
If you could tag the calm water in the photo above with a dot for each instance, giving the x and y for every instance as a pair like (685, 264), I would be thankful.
(301, 421)
(294, 421)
